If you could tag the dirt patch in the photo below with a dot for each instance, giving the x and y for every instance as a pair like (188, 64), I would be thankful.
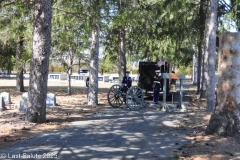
(14, 128)
(201, 146)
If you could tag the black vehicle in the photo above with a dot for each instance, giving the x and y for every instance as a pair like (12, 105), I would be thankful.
(146, 74)
(136, 94)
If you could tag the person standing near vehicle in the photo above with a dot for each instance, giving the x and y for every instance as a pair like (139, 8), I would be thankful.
(156, 86)
(126, 83)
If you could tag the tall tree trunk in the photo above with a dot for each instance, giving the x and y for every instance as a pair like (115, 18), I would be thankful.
(194, 71)
(225, 119)
(199, 67)
(19, 76)
(69, 82)
(210, 54)
(200, 44)
(121, 45)
(69, 73)
(93, 76)
(202, 19)
(121, 53)
(36, 111)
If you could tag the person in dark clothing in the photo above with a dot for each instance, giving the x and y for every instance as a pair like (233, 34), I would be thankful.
(156, 86)
(87, 85)
(126, 83)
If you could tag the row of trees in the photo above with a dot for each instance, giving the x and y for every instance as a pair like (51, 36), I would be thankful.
(135, 30)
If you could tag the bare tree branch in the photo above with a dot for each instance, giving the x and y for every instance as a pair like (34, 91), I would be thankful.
(6, 4)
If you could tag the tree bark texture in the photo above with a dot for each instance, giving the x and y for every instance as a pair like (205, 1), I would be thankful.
(199, 69)
(225, 118)
(19, 77)
(93, 76)
(121, 44)
(70, 64)
(121, 53)
(210, 54)
(36, 111)
(200, 42)
(195, 67)
(69, 82)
